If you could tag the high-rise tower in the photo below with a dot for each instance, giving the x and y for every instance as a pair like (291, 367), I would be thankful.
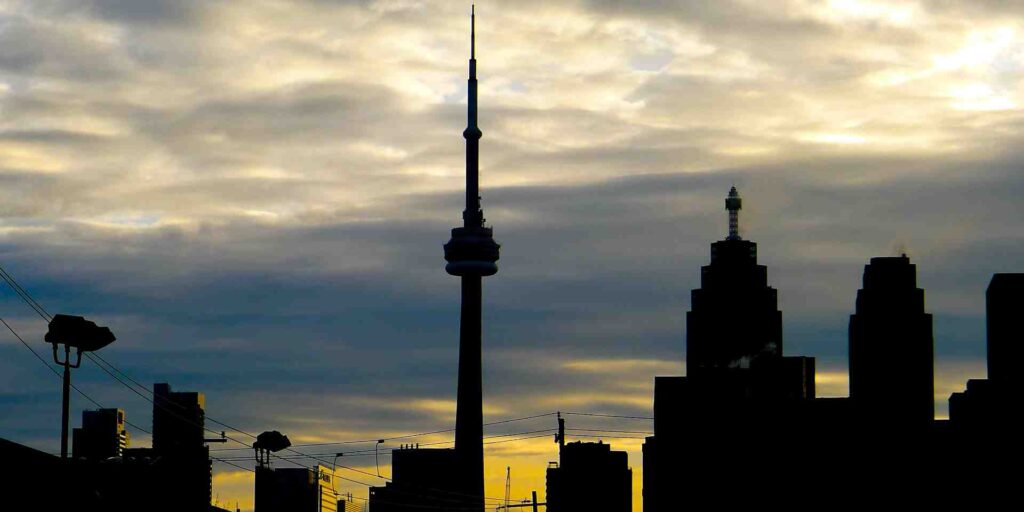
(734, 319)
(472, 254)
(989, 406)
(731, 426)
(891, 345)
(1005, 343)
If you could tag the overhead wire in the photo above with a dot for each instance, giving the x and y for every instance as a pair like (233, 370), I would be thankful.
(407, 436)
(38, 308)
(110, 369)
(79, 390)
(543, 433)
(608, 415)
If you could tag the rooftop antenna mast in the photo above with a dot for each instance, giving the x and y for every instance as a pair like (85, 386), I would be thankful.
(734, 203)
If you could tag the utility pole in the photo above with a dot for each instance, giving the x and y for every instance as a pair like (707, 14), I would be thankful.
(560, 437)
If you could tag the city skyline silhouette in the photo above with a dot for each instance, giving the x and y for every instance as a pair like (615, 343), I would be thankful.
(268, 234)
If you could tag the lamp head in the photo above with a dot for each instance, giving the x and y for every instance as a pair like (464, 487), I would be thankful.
(272, 441)
(77, 332)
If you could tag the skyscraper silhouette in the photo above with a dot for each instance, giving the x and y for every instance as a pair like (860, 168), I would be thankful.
(738, 403)
(990, 406)
(472, 254)
(734, 319)
(181, 454)
(1005, 328)
(891, 346)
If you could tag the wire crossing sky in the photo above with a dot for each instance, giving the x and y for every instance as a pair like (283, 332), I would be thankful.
(254, 195)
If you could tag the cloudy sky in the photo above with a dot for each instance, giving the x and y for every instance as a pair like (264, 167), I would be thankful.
(253, 196)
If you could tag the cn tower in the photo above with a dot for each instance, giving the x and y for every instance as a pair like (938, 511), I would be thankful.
(471, 254)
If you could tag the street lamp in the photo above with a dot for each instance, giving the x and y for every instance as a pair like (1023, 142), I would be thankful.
(84, 336)
(376, 457)
(268, 442)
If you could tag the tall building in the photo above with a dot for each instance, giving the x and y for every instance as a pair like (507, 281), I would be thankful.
(101, 436)
(734, 320)
(179, 418)
(471, 254)
(180, 453)
(1005, 328)
(891, 346)
(991, 405)
(734, 326)
(737, 404)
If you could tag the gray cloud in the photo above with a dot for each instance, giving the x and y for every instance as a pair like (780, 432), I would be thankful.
(254, 197)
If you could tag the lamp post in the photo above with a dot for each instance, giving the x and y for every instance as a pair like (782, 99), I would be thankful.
(376, 456)
(84, 336)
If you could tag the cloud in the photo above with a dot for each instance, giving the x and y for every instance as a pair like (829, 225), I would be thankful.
(254, 195)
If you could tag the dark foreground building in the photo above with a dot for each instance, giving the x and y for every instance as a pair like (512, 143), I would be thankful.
(101, 436)
(589, 476)
(422, 479)
(296, 490)
(105, 475)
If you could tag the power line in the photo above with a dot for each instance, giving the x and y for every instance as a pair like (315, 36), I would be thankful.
(405, 436)
(27, 298)
(39, 357)
(608, 415)
(543, 433)
(96, 358)
(77, 389)
(593, 436)
(39, 310)
(612, 431)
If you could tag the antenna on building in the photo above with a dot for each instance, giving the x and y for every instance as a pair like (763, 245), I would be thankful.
(733, 203)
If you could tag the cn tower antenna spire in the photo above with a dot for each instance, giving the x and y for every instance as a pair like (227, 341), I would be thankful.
(473, 216)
